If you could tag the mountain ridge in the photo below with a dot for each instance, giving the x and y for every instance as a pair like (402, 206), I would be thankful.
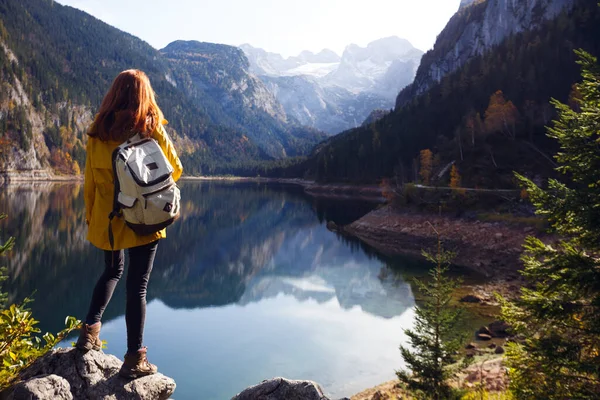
(66, 62)
(336, 96)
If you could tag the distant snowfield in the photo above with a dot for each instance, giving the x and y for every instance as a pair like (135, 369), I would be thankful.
(316, 70)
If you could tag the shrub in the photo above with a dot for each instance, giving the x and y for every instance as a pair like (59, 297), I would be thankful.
(20, 341)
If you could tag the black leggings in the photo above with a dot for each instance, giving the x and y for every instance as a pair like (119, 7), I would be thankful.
(140, 265)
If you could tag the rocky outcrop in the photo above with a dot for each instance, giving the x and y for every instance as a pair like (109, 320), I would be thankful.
(49, 387)
(475, 29)
(282, 389)
(375, 116)
(466, 3)
(71, 374)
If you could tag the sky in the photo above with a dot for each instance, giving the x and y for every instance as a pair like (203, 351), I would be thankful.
(281, 26)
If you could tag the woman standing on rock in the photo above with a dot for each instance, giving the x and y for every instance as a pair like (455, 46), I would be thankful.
(128, 108)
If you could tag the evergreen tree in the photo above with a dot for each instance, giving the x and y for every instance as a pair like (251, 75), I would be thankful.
(558, 314)
(437, 335)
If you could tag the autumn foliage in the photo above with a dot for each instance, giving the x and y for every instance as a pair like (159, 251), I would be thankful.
(64, 163)
(501, 116)
(426, 170)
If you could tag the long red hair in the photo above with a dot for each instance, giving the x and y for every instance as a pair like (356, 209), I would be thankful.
(129, 107)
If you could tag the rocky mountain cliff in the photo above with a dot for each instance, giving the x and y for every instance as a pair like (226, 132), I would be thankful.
(57, 62)
(476, 29)
(337, 93)
(466, 3)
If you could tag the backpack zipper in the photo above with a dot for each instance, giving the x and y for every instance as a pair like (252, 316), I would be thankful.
(146, 195)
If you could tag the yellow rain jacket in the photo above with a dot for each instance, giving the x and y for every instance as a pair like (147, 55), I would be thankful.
(99, 191)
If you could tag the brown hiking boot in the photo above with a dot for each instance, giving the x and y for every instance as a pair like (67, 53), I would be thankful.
(137, 365)
(89, 337)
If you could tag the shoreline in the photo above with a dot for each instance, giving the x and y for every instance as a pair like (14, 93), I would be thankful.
(35, 175)
(492, 249)
(329, 190)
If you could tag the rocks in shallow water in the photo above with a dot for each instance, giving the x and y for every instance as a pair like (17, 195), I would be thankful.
(470, 298)
(485, 330)
(49, 387)
(483, 336)
(499, 350)
(282, 389)
(93, 375)
(492, 346)
(499, 329)
(470, 346)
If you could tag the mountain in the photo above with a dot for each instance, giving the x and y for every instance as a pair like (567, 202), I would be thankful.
(337, 93)
(273, 64)
(57, 62)
(454, 116)
(362, 69)
(220, 73)
(475, 30)
(327, 108)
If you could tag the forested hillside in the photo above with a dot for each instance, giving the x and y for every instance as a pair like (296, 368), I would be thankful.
(488, 116)
(56, 64)
(220, 73)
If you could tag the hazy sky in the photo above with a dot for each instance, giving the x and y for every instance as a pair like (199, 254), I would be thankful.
(281, 26)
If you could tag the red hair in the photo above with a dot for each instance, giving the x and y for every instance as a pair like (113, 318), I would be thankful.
(128, 107)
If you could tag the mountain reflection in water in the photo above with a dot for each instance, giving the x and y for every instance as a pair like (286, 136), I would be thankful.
(252, 267)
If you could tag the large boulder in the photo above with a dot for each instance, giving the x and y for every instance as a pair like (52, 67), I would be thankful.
(499, 329)
(282, 389)
(49, 387)
(92, 375)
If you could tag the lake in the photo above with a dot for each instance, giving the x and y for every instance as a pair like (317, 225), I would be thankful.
(248, 285)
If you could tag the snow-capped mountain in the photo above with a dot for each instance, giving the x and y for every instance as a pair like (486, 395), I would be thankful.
(362, 69)
(333, 93)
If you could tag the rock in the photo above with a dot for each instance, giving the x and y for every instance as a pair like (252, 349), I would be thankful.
(470, 298)
(485, 329)
(94, 375)
(499, 329)
(499, 350)
(484, 336)
(49, 387)
(332, 226)
(379, 395)
(282, 389)
(499, 236)
(492, 346)
(470, 346)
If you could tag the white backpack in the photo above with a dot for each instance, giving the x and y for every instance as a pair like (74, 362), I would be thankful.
(145, 192)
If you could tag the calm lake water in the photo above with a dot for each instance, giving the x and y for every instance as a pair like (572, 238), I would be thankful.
(248, 285)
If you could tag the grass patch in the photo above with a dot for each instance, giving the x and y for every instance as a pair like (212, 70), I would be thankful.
(539, 223)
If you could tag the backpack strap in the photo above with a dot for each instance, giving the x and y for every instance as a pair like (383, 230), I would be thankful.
(116, 211)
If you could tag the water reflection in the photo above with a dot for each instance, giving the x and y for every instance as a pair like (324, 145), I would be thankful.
(251, 268)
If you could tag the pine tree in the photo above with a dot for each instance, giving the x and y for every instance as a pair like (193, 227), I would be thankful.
(437, 335)
(558, 314)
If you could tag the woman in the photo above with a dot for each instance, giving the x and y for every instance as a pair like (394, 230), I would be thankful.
(129, 107)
